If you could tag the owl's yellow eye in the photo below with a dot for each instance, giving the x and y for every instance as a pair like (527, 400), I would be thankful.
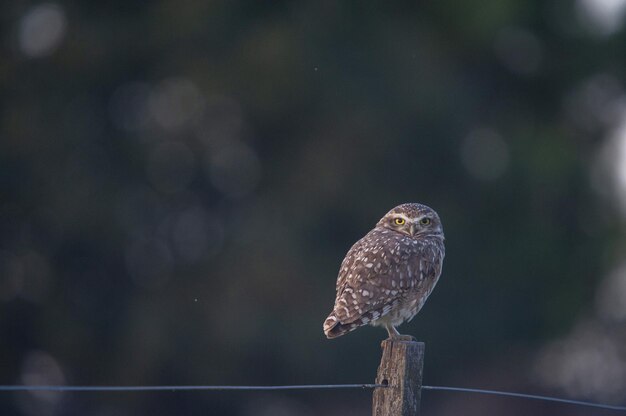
(425, 221)
(399, 221)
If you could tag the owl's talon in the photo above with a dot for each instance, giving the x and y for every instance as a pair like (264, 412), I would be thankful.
(407, 338)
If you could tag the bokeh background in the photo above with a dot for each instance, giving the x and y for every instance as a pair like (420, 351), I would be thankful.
(180, 180)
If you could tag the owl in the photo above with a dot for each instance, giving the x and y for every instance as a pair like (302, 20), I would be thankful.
(387, 275)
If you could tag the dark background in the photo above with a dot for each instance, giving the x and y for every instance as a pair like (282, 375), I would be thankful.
(180, 180)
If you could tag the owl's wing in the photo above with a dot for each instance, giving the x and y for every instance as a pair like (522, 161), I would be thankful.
(364, 285)
(346, 265)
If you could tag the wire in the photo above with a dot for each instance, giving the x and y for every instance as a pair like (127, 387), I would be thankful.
(188, 388)
(298, 387)
(525, 396)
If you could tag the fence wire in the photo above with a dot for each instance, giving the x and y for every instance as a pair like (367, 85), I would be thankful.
(525, 396)
(16, 388)
(188, 388)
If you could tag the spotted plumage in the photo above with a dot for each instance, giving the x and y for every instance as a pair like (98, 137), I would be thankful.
(388, 274)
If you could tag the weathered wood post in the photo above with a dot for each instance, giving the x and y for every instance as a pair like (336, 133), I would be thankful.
(400, 369)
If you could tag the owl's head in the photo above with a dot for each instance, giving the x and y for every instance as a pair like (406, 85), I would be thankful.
(412, 219)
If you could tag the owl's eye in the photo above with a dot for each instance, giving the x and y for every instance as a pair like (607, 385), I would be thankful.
(399, 221)
(425, 221)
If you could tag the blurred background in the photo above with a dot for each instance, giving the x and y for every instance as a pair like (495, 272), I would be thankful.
(180, 180)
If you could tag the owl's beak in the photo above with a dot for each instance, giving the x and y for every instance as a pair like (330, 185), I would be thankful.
(412, 229)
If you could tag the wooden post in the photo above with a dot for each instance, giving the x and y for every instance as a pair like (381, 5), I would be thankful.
(401, 369)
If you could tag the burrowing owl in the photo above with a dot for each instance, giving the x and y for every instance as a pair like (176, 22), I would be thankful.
(387, 275)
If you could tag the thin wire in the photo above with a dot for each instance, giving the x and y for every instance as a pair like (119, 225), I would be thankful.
(525, 396)
(299, 387)
(188, 388)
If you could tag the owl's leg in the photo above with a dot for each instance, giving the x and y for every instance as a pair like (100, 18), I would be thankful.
(393, 332)
(395, 335)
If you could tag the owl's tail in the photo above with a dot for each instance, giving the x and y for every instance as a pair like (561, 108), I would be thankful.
(333, 328)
